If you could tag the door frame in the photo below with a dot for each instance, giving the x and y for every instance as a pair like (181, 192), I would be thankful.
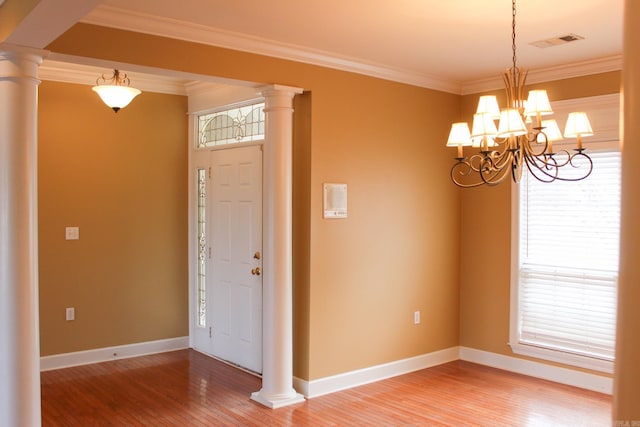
(277, 358)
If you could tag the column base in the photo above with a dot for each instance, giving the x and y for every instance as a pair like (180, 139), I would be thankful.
(277, 401)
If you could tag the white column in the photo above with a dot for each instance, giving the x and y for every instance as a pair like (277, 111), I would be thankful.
(277, 354)
(19, 339)
(626, 394)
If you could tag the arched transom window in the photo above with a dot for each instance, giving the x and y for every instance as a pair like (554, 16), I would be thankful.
(232, 125)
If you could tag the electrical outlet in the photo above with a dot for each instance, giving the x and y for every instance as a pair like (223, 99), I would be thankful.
(416, 317)
(71, 313)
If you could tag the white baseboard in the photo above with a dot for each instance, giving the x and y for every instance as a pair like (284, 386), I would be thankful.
(351, 379)
(322, 386)
(557, 374)
(319, 387)
(105, 354)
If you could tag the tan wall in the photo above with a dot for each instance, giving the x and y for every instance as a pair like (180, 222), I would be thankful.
(358, 280)
(121, 178)
(486, 217)
(397, 251)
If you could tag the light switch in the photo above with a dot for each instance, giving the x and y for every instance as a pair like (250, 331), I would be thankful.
(72, 233)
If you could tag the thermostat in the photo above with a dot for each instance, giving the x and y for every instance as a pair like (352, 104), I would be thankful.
(335, 200)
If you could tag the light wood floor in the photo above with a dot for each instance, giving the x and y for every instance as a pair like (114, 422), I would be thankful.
(185, 388)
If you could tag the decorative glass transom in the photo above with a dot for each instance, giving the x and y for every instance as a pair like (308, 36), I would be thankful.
(231, 126)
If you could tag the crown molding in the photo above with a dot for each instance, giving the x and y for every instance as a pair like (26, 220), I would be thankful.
(196, 33)
(578, 69)
(166, 27)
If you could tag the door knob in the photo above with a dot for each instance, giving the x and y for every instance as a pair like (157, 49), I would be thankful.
(256, 271)
(257, 255)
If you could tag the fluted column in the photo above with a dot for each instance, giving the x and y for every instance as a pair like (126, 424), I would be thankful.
(277, 354)
(19, 340)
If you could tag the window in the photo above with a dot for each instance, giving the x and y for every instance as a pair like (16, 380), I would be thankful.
(565, 274)
(201, 297)
(244, 123)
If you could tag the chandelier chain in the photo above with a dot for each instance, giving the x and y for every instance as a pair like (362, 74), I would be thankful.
(513, 31)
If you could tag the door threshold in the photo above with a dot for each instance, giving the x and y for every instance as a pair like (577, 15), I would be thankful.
(234, 365)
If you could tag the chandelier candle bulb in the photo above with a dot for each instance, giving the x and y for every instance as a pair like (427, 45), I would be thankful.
(459, 136)
(484, 131)
(538, 104)
(511, 123)
(489, 104)
(552, 131)
(578, 126)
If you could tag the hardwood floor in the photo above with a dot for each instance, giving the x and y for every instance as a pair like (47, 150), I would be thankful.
(186, 388)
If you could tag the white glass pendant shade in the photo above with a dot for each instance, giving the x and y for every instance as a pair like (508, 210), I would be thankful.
(511, 123)
(459, 135)
(483, 126)
(537, 103)
(488, 104)
(115, 96)
(577, 125)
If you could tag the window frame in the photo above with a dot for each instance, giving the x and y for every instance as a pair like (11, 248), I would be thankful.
(605, 122)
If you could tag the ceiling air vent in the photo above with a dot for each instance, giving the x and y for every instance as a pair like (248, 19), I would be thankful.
(557, 41)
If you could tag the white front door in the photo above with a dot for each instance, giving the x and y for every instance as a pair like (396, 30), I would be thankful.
(234, 285)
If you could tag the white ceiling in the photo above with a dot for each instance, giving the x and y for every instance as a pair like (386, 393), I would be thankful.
(444, 44)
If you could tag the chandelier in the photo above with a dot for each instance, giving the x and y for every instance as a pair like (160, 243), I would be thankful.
(521, 139)
(115, 91)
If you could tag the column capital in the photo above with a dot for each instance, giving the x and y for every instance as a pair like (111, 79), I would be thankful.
(271, 91)
(8, 51)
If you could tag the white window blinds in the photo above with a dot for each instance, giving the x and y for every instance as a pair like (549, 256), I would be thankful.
(569, 233)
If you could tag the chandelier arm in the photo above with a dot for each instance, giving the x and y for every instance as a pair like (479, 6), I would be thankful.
(543, 160)
(579, 154)
(484, 165)
(516, 164)
(495, 176)
(502, 159)
(535, 168)
(475, 161)
(531, 138)
(493, 167)
(464, 167)
(540, 169)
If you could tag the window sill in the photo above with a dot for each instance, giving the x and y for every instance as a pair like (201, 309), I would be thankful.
(577, 360)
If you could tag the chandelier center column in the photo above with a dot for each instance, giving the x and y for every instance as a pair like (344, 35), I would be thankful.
(19, 329)
(277, 354)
